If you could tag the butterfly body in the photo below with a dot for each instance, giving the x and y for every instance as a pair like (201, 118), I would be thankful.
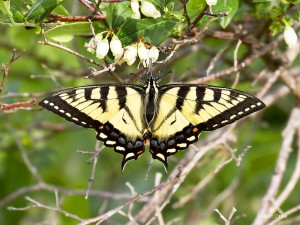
(170, 117)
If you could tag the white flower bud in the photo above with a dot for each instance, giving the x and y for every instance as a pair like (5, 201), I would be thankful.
(135, 5)
(153, 54)
(290, 37)
(149, 10)
(116, 46)
(102, 48)
(135, 9)
(211, 2)
(142, 51)
(118, 57)
(130, 54)
(136, 15)
(92, 45)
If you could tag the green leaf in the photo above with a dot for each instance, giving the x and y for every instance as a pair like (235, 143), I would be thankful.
(276, 27)
(161, 3)
(61, 11)
(17, 13)
(294, 2)
(116, 14)
(5, 8)
(66, 32)
(195, 7)
(41, 9)
(257, 1)
(155, 31)
(226, 6)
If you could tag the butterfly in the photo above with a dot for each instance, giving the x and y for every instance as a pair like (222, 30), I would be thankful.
(170, 117)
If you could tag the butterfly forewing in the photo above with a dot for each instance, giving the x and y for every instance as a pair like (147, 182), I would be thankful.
(186, 110)
(114, 111)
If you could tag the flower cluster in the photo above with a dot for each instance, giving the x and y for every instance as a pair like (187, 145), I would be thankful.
(145, 54)
(147, 9)
(101, 46)
(128, 54)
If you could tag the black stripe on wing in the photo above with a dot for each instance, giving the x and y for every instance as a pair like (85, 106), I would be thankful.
(85, 105)
(55, 104)
(231, 104)
(221, 106)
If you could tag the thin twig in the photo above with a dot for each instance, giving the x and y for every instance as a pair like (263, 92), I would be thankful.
(243, 64)
(63, 18)
(18, 106)
(87, 59)
(267, 208)
(235, 63)
(6, 67)
(38, 204)
(227, 221)
(95, 160)
(110, 213)
(294, 178)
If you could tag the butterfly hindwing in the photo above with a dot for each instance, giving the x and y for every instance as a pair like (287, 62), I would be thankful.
(186, 110)
(105, 108)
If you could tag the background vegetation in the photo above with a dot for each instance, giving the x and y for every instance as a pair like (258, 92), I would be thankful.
(245, 173)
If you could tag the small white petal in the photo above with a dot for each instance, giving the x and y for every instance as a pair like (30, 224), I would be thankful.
(130, 62)
(135, 5)
(116, 46)
(102, 48)
(119, 56)
(153, 53)
(130, 54)
(142, 51)
(290, 37)
(149, 10)
(211, 2)
(92, 45)
(136, 15)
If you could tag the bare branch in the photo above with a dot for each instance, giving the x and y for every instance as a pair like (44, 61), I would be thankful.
(267, 208)
(95, 160)
(6, 67)
(43, 206)
(227, 221)
(246, 62)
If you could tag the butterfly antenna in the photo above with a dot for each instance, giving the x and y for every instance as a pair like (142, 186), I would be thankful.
(162, 75)
(141, 78)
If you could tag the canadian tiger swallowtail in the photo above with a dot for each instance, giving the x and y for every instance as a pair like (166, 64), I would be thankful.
(170, 117)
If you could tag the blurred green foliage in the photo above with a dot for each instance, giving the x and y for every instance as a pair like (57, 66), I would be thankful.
(52, 150)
